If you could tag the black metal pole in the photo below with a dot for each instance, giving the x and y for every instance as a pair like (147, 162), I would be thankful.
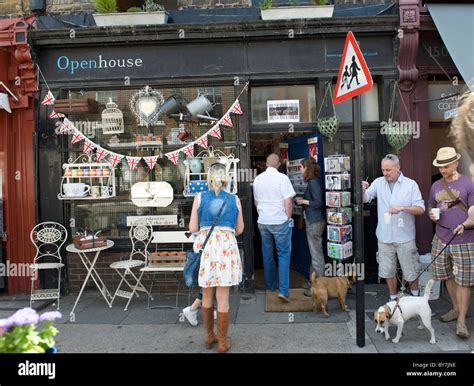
(358, 220)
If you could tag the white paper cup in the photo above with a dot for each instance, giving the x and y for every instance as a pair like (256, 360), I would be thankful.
(387, 217)
(436, 213)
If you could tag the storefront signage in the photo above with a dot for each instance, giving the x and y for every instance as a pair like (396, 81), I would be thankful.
(451, 113)
(153, 220)
(283, 110)
(73, 66)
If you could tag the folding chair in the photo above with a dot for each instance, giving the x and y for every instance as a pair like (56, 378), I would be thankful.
(140, 235)
(48, 238)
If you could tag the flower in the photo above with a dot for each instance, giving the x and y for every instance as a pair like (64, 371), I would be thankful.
(19, 334)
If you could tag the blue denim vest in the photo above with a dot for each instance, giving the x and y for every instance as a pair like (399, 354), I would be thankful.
(210, 206)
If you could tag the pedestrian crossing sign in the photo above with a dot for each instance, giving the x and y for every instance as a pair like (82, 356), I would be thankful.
(354, 76)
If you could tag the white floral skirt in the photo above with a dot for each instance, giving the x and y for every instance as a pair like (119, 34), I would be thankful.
(221, 265)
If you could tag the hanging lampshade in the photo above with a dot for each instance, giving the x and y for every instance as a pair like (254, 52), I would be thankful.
(112, 119)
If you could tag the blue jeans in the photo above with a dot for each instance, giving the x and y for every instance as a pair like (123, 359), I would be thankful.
(282, 235)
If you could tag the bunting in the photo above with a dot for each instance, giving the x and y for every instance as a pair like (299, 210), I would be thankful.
(54, 114)
(203, 142)
(133, 162)
(48, 99)
(76, 137)
(100, 154)
(189, 150)
(215, 132)
(151, 161)
(88, 146)
(115, 159)
(236, 109)
(226, 121)
(173, 156)
(66, 126)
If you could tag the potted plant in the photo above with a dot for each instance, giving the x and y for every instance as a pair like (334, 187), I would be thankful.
(19, 332)
(151, 13)
(319, 9)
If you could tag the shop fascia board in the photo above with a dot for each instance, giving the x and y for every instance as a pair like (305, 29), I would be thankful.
(334, 27)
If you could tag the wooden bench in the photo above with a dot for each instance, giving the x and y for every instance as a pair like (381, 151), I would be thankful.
(169, 264)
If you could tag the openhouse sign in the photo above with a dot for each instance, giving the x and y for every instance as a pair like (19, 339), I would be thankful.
(72, 65)
(139, 62)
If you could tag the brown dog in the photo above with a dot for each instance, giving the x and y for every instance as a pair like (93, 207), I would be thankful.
(325, 288)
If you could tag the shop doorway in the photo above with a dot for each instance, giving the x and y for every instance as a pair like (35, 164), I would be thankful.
(261, 145)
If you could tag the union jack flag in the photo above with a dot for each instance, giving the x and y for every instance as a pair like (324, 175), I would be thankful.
(202, 142)
(76, 137)
(88, 146)
(133, 162)
(115, 159)
(173, 156)
(54, 114)
(236, 109)
(226, 120)
(216, 132)
(66, 125)
(189, 150)
(151, 161)
(100, 154)
(48, 99)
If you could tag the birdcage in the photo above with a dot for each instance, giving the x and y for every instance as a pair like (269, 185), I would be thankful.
(112, 119)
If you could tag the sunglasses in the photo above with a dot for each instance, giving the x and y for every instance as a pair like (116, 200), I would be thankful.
(453, 203)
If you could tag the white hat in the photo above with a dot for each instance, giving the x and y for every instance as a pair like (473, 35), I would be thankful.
(446, 156)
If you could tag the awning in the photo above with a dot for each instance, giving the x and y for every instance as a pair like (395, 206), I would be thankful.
(456, 27)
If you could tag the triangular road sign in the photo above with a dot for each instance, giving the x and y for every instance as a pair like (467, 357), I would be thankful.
(354, 76)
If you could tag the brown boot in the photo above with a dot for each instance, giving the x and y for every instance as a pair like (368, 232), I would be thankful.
(222, 328)
(208, 321)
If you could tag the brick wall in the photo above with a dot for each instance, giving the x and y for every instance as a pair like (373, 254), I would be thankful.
(13, 8)
(77, 274)
(10, 8)
(70, 6)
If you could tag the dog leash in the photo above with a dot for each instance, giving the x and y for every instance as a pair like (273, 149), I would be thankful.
(439, 254)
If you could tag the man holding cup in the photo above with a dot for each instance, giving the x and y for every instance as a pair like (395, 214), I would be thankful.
(399, 200)
(449, 200)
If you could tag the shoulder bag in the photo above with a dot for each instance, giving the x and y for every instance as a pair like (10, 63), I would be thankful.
(193, 259)
(456, 200)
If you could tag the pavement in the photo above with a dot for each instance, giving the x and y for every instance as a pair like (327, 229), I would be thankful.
(100, 329)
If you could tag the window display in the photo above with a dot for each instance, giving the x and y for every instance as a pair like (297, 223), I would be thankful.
(98, 194)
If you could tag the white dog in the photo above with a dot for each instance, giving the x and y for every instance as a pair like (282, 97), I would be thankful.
(397, 312)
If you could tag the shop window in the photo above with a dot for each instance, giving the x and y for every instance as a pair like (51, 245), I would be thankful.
(369, 107)
(110, 214)
(283, 104)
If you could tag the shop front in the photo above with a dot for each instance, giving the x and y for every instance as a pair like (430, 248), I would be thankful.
(17, 164)
(278, 75)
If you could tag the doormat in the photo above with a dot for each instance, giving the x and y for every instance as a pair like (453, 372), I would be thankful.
(298, 302)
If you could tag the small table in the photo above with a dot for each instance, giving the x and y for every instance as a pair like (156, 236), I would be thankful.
(91, 271)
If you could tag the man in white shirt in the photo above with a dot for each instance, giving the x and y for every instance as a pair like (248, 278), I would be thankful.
(399, 200)
(273, 194)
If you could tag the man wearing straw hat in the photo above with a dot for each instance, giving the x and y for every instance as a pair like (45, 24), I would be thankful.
(452, 195)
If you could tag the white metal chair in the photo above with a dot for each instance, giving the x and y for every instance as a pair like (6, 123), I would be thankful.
(48, 238)
(141, 234)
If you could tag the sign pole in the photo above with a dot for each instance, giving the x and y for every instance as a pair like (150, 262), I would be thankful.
(358, 221)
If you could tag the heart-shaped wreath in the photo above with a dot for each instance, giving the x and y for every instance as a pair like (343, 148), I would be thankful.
(145, 104)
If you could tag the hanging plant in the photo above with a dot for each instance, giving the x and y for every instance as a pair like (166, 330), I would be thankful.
(328, 126)
(395, 138)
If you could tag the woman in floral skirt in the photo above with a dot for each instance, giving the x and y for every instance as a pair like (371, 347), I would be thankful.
(221, 266)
